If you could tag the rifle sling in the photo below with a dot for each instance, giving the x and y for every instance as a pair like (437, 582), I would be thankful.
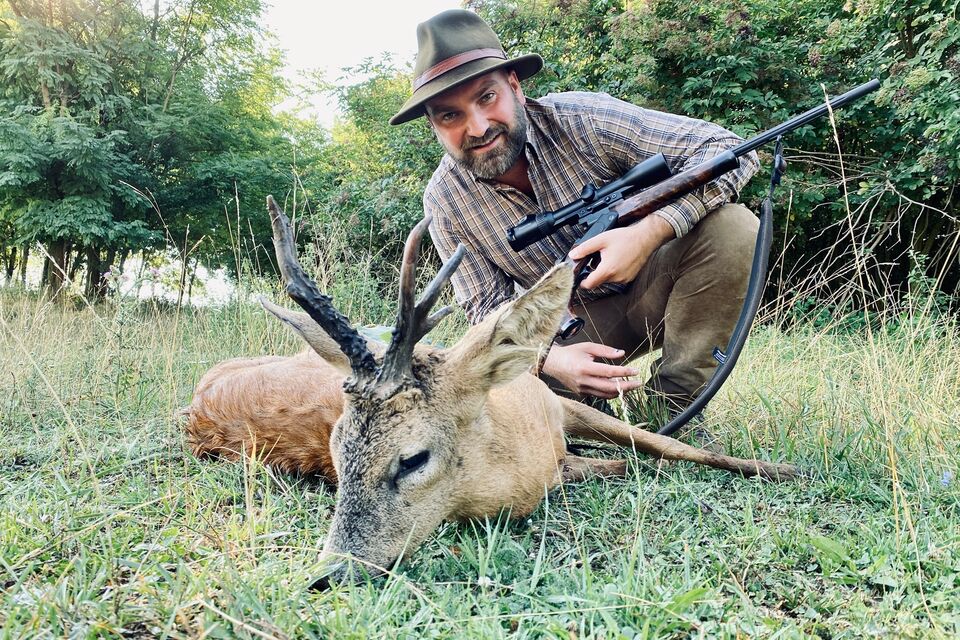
(755, 286)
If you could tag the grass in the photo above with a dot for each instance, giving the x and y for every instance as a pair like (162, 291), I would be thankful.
(108, 528)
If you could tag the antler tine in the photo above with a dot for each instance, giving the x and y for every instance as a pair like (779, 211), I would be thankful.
(433, 290)
(414, 320)
(318, 306)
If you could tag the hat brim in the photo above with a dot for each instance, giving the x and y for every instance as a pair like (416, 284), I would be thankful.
(524, 66)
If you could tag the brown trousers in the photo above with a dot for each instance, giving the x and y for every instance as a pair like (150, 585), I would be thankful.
(685, 300)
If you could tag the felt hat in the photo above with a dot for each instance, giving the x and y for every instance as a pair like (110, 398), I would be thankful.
(453, 47)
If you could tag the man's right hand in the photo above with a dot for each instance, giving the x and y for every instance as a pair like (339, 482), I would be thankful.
(575, 367)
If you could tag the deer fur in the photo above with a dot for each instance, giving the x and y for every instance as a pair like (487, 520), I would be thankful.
(494, 435)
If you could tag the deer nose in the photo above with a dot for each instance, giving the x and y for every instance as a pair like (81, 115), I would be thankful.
(322, 584)
(346, 572)
(335, 573)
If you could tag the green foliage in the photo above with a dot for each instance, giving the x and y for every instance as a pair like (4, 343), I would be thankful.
(370, 180)
(126, 131)
(130, 131)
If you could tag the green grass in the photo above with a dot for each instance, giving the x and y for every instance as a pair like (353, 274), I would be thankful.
(109, 528)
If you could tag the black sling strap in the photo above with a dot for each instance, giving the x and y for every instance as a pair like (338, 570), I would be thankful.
(758, 277)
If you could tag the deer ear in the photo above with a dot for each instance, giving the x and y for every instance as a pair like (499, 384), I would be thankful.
(305, 327)
(510, 339)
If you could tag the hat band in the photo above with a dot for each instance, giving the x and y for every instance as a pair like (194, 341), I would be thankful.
(453, 62)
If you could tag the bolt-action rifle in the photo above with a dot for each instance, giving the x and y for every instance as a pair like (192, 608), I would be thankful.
(650, 185)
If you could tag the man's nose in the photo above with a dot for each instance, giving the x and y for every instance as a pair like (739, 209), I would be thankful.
(477, 124)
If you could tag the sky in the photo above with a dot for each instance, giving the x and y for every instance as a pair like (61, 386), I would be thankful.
(329, 36)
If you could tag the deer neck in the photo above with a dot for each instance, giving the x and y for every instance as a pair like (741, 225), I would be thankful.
(511, 451)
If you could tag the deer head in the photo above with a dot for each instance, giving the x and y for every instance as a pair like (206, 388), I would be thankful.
(405, 446)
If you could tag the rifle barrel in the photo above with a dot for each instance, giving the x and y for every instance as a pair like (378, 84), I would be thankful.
(804, 118)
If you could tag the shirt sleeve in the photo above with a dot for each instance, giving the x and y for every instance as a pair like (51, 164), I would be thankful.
(629, 134)
(478, 284)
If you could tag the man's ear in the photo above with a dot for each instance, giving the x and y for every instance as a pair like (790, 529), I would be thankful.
(509, 341)
(514, 83)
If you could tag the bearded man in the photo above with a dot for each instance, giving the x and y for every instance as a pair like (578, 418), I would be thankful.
(675, 280)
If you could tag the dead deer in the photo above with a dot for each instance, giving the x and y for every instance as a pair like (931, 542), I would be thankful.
(415, 435)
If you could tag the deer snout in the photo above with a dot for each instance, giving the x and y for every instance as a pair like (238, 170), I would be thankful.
(346, 571)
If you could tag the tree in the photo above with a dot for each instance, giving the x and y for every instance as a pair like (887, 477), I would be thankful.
(124, 131)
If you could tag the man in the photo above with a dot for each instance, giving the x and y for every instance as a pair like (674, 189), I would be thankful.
(674, 280)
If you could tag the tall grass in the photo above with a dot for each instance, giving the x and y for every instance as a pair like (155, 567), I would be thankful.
(108, 528)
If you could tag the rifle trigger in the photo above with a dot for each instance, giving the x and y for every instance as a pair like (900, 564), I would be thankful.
(587, 267)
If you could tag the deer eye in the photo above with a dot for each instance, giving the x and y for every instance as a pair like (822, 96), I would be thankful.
(411, 464)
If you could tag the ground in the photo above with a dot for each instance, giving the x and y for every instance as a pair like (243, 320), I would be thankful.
(108, 527)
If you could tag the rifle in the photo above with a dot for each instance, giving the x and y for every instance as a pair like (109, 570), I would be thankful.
(650, 185)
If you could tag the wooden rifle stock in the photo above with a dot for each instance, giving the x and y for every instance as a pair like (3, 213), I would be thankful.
(646, 202)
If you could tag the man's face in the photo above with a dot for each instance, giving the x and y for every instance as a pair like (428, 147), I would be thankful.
(482, 124)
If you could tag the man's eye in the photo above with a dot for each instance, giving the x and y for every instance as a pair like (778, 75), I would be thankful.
(487, 97)
(448, 117)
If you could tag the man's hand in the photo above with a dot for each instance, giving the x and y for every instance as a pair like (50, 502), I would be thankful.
(574, 367)
(623, 251)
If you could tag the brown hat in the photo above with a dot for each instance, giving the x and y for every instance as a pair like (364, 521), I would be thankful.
(453, 47)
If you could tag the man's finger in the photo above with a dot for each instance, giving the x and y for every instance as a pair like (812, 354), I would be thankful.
(601, 370)
(592, 245)
(593, 281)
(610, 388)
(598, 350)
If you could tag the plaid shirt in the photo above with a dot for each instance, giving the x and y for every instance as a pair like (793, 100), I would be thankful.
(572, 139)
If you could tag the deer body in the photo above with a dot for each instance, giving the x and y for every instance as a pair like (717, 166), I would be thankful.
(277, 408)
(414, 435)
(283, 409)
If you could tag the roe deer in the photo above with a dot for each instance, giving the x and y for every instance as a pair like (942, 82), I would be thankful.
(415, 435)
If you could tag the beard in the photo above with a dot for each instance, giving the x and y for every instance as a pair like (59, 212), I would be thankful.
(497, 161)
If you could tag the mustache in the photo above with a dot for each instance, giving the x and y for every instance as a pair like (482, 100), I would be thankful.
(491, 133)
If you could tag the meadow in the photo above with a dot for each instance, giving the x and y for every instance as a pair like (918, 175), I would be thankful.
(109, 528)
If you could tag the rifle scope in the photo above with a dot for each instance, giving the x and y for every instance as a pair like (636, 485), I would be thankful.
(536, 226)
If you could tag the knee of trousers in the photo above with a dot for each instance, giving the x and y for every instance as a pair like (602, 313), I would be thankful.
(731, 234)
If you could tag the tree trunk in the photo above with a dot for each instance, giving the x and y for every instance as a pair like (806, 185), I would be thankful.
(75, 261)
(193, 277)
(92, 287)
(106, 265)
(56, 270)
(182, 284)
(156, 21)
(24, 255)
(11, 265)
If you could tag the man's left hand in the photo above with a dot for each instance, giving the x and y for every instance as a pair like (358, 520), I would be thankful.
(623, 251)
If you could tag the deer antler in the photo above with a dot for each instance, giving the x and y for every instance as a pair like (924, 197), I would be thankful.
(414, 320)
(318, 306)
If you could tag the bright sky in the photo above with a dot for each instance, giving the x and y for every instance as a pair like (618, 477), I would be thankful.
(329, 36)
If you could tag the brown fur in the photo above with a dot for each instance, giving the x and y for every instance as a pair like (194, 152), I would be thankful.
(281, 409)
